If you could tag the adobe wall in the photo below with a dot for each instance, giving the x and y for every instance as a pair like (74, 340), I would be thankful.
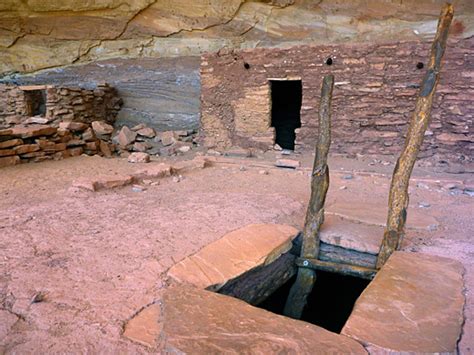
(374, 96)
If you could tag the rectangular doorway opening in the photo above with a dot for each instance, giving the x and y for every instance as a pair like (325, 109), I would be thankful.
(35, 102)
(286, 98)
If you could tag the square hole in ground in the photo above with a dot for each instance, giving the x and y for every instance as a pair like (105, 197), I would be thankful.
(329, 304)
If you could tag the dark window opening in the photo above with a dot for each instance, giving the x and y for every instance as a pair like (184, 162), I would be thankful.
(329, 304)
(287, 96)
(419, 65)
(246, 65)
(36, 102)
(329, 61)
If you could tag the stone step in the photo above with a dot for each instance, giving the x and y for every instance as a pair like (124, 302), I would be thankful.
(413, 305)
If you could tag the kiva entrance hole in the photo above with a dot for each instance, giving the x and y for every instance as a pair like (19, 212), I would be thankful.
(329, 304)
(286, 98)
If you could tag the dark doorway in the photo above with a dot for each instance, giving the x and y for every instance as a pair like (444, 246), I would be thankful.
(36, 102)
(329, 304)
(286, 105)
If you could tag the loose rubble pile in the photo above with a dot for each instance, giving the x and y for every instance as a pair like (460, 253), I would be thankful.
(35, 142)
(143, 141)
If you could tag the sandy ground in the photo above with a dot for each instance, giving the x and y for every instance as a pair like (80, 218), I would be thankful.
(75, 266)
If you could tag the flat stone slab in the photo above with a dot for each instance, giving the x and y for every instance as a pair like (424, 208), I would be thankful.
(376, 214)
(351, 235)
(234, 254)
(197, 321)
(414, 304)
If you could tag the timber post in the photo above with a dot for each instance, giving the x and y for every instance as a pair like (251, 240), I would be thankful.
(398, 196)
(315, 213)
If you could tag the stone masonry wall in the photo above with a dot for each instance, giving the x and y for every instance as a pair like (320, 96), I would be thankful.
(62, 105)
(74, 121)
(374, 97)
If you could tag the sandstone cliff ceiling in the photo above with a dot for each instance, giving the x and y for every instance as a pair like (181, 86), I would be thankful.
(39, 34)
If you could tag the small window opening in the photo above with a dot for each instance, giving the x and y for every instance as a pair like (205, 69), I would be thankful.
(286, 97)
(419, 65)
(329, 304)
(36, 102)
(329, 61)
(246, 65)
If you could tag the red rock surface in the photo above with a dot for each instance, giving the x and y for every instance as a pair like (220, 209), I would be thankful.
(233, 255)
(201, 322)
(414, 305)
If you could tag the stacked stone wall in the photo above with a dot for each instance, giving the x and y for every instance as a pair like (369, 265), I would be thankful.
(374, 96)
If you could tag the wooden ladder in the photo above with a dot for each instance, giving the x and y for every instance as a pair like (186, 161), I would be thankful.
(394, 232)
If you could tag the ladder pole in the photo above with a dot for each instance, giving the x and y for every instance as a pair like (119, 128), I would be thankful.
(315, 213)
(398, 196)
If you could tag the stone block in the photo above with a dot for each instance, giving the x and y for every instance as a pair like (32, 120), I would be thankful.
(26, 148)
(413, 305)
(191, 320)
(32, 131)
(10, 143)
(73, 126)
(234, 254)
(287, 163)
(138, 157)
(102, 128)
(126, 137)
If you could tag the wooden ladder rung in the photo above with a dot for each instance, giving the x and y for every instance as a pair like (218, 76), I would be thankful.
(339, 268)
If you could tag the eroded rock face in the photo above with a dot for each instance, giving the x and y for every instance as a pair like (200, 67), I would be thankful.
(42, 34)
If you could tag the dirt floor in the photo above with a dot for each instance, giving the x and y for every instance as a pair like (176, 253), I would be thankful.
(76, 265)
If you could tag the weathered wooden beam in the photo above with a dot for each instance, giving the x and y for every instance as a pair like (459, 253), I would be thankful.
(256, 285)
(398, 197)
(339, 268)
(337, 254)
(315, 214)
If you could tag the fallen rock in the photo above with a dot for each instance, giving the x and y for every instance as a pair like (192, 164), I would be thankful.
(413, 305)
(232, 255)
(146, 132)
(73, 126)
(191, 320)
(105, 149)
(110, 182)
(138, 127)
(168, 138)
(287, 163)
(140, 147)
(138, 157)
(102, 128)
(184, 149)
(126, 136)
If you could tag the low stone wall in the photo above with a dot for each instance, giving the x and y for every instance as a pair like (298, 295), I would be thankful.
(61, 104)
(374, 96)
(35, 143)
